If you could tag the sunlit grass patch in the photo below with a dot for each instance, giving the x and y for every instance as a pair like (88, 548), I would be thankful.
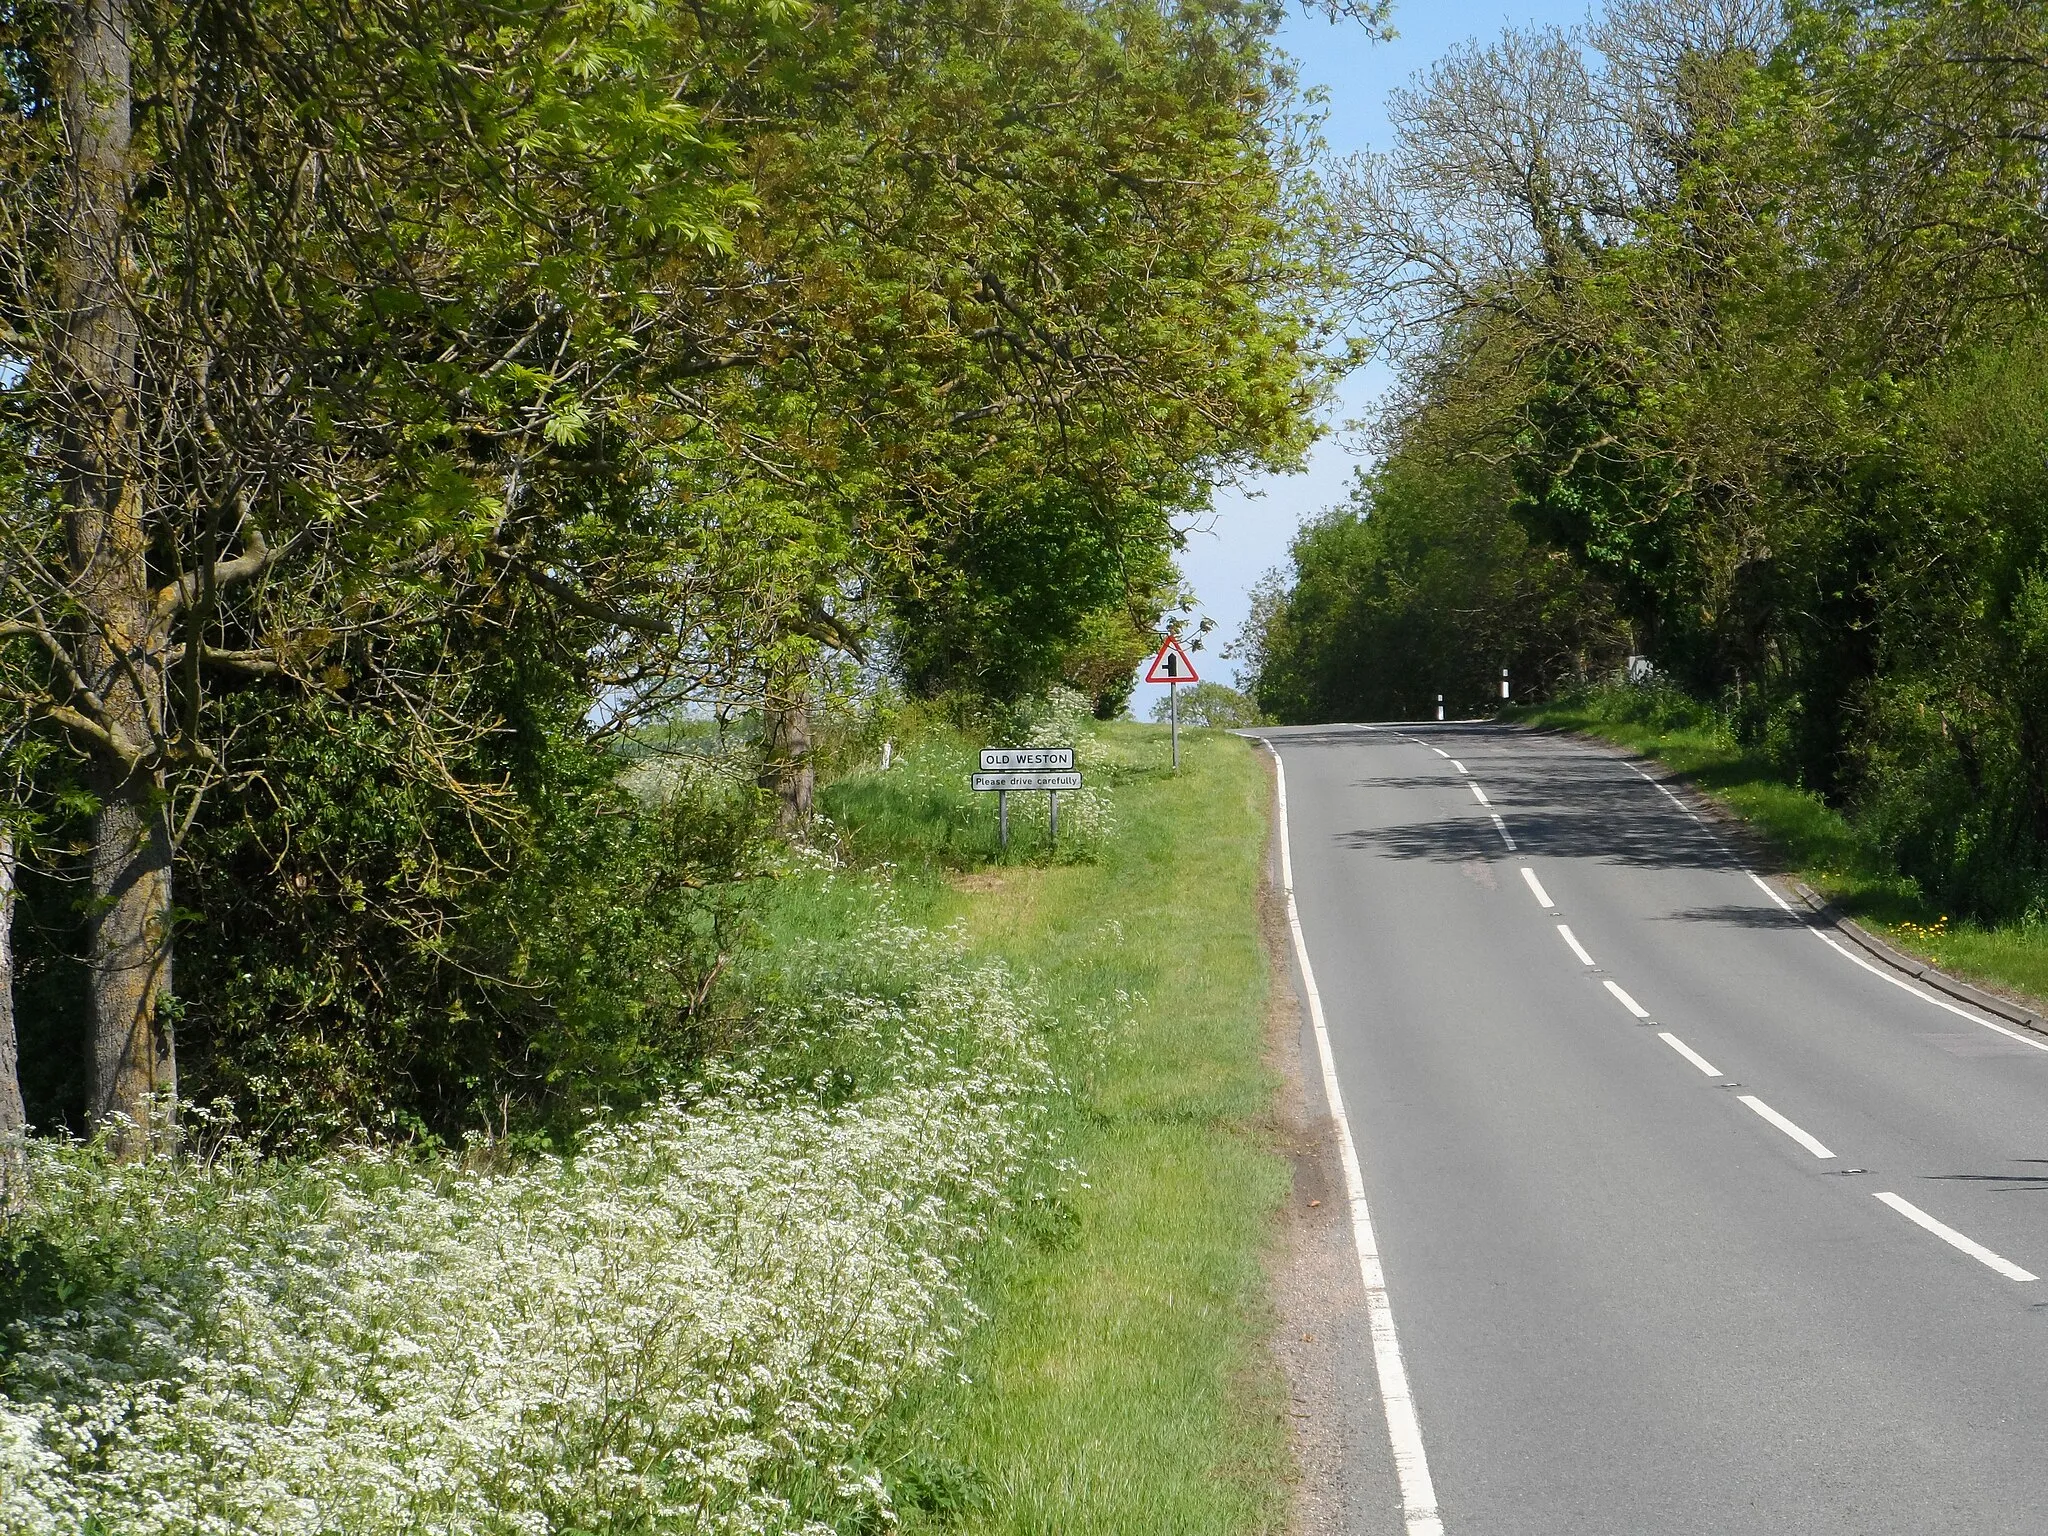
(1121, 1383)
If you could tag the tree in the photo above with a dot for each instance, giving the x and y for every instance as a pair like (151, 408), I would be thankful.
(464, 386)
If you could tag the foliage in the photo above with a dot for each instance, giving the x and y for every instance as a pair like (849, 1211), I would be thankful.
(1736, 314)
(1423, 585)
(922, 810)
(688, 1325)
(1215, 705)
(507, 384)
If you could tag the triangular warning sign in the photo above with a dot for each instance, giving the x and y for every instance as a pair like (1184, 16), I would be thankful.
(1171, 665)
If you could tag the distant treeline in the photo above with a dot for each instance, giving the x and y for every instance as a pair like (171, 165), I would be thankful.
(1722, 341)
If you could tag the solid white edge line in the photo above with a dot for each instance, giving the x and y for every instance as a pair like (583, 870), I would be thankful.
(1536, 889)
(1689, 1053)
(1481, 794)
(1760, 885)
(1625, 1000)
(1404, 1427)
(1439, 751)
(1811, 1143)
(1502, 828)
(1929, 997)
(1576, 947)
(1459, 766)
(1955, 1239)
(1899, 981)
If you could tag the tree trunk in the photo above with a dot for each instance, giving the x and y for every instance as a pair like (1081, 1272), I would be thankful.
(13, 1118)
(786, 758)
(120, 644)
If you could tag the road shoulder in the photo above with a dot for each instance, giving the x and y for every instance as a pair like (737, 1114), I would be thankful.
(1344, 1471)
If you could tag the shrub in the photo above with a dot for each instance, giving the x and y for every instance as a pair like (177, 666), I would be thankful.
(689, 1325)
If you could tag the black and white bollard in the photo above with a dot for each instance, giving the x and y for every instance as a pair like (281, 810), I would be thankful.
(1503, 684)
(1439, 706)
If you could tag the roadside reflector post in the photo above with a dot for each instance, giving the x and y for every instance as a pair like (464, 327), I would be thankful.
(1172, 667)
(888, 751)
(1503, 682)
(1439, 706)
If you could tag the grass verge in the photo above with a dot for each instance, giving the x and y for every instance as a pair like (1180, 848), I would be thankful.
(1811, 839)
(1121, 1382)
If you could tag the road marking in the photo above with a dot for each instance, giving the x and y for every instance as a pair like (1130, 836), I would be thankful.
(1929, 997)
(1689, 1053)
(1955, 1239)
(1576, 947)
(1899, 981)
(1459, 766)
(1480, 793)
(1404, 1426)
(1768, 891)
(1811, 1143)
(1439, 751)
(1626, 1001)
(1536, 888)
(1502, 828)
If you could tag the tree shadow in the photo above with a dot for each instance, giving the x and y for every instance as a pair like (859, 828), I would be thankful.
(1758, 916)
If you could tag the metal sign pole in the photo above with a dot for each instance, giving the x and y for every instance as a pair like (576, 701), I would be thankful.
(1173, 710)
(1054, 796)
(1003, 816)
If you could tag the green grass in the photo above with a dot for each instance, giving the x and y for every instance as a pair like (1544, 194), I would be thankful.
(1812, 840)
(1121, 1383)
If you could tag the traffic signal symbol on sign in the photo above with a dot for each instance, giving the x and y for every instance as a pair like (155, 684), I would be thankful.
(1171, 665)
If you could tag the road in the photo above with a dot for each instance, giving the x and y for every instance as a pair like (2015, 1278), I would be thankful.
(1687, 1221)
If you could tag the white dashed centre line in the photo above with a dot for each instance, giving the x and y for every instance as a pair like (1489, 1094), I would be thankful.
(1955, 1239)
(1536, 888)
(1459, 766)
(1688, 1053)
(1576, 947)
(1439, 751)
(1811, 1143)
(1626, 1001)
(1502, 828)
(1481, 794)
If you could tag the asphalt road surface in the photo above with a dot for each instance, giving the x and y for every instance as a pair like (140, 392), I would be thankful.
(1688, 1222)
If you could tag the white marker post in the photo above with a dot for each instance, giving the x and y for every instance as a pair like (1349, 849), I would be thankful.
(1172, 667)
(1503, 685)
(1439, 706)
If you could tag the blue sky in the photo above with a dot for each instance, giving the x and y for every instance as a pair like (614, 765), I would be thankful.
(1248, 532)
